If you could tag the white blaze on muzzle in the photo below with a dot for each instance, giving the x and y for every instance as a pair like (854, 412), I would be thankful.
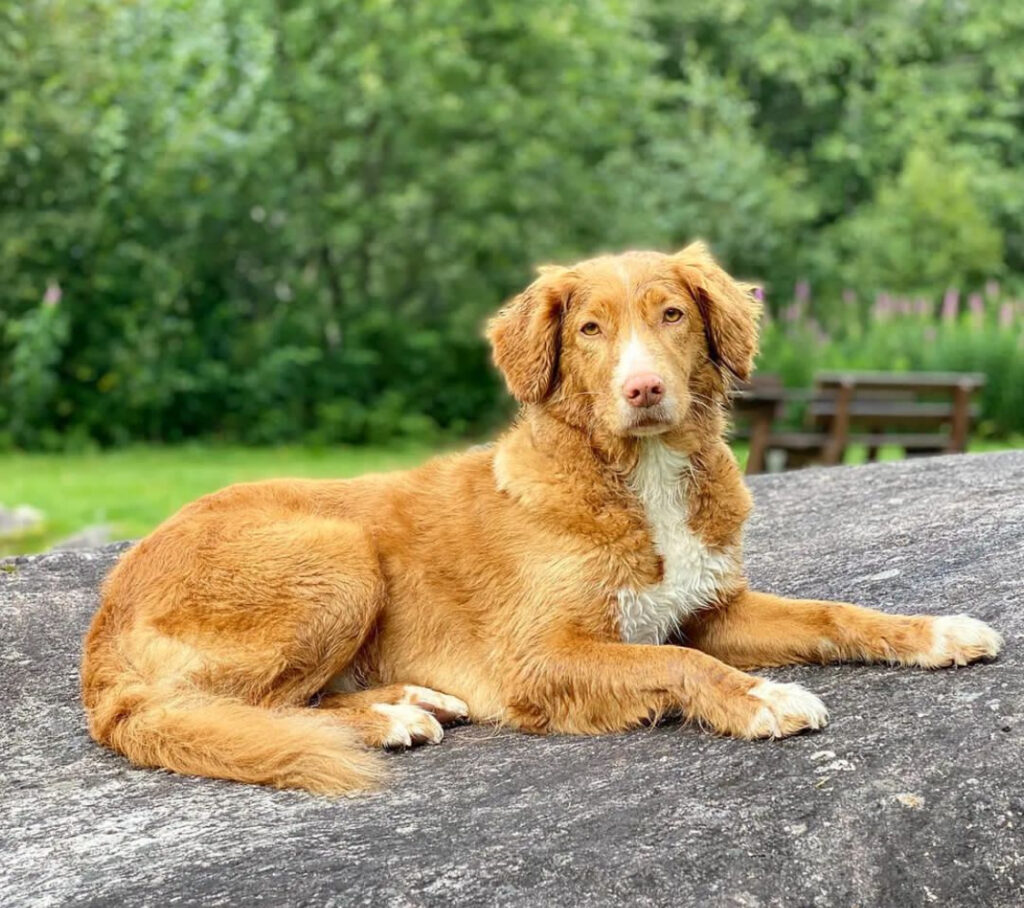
(634, 359)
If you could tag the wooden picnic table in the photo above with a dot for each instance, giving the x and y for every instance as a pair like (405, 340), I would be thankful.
(921, 412)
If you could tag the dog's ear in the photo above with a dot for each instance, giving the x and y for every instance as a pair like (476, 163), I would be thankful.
(729, 309)
(526, 335)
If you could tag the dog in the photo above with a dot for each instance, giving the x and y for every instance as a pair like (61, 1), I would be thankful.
(582, 575)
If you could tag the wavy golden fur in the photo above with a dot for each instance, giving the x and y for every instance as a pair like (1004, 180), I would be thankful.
(582, 575)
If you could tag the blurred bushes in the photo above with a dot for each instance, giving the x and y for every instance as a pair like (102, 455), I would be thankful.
(924, 229)
(279, 219)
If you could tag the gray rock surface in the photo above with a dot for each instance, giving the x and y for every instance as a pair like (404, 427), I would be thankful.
(914, 795)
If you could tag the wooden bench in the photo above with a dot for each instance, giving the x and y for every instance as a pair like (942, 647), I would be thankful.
(756, 405)
(921, 412)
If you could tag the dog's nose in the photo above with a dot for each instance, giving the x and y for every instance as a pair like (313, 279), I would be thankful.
(643, 390)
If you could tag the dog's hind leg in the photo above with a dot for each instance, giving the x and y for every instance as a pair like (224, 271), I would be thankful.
(210, 644)
(756, 630)
(398, 715)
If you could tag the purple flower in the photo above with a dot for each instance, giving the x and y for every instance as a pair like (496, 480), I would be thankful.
(976, 304)
(820, 335)
(883, 305)
(802, 291)
(950, 304)
(758, 294)
(992, 289)
(52, 295)
(1006, 314)
(922, 306)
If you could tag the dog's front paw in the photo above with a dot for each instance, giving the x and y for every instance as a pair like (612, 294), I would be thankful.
(405, 726)
(788, 709)
(958, 640)
(446, 709)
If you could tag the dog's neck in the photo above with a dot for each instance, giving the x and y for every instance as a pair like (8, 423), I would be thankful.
(544, 458)
(560, 439)
(552, 466)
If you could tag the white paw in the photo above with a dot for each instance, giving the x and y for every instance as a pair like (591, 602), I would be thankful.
(789, 708)
(408, 725)
(958, 640)
(443, 707)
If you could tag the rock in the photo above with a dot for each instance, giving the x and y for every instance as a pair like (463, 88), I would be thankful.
(20, 521)
(912, 796)
(90, 537)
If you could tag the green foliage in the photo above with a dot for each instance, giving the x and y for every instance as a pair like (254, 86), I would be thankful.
(924, 229)
(133, 488)
(36, 341)
(278, 219)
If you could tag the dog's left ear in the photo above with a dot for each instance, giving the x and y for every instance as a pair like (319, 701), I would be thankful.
(526, 335)
(729, 309)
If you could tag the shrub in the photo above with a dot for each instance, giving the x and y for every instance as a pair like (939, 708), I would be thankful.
(286, 219)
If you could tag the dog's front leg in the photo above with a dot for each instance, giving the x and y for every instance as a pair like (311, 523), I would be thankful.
(755, 630)
(581, 685)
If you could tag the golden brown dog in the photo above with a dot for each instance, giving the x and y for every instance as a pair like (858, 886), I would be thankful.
(583, 575)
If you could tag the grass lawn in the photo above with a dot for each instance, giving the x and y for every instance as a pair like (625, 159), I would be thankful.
(133, 489)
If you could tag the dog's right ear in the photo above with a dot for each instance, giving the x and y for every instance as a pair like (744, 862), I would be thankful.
(729, 309)
(526, 335)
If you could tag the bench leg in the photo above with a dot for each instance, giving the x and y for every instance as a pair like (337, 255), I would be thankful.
(760, 433)
(835, 448)
(961, 419)
(873, 449)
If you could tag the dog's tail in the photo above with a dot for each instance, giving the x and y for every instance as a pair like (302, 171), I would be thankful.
(200, 734)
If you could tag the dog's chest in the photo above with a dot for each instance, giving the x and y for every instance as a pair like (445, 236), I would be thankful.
(693, 574)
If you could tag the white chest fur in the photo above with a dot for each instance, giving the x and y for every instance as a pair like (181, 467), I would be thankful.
(693, 574)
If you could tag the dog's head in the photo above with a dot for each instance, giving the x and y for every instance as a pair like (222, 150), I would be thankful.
(633, 344)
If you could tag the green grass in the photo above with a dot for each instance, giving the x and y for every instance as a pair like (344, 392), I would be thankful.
(133, 489)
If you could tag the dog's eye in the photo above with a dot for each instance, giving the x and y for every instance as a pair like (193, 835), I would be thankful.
(590, 329)
(672, 314)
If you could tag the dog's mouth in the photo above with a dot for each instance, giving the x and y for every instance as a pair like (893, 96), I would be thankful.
(648, 421)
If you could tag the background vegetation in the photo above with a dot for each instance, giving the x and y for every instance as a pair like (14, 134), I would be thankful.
(277, 220)
(124, 493)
